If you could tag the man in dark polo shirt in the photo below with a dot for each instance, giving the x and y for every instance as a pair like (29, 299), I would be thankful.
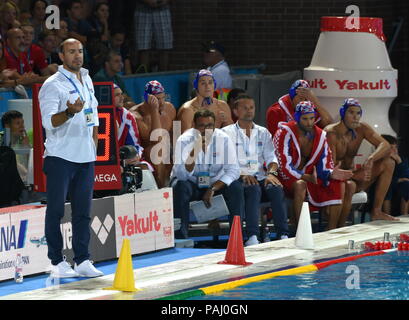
(110, 72)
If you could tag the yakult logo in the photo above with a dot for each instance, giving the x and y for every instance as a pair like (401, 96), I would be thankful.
(345, 84)
(129, 227)
(363, 85)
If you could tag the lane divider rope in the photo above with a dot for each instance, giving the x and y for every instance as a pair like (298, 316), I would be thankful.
(289, 272)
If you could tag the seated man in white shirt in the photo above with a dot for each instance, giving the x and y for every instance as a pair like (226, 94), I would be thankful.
(254, 147)
(205, 165)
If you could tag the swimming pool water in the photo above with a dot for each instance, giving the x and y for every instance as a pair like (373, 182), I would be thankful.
(384, 277)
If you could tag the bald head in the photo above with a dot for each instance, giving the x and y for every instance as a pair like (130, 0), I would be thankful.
(12, 32)
(71, 54)
(15, 39)
(66, 42)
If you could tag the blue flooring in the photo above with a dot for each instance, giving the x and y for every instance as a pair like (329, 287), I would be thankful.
(108, 267)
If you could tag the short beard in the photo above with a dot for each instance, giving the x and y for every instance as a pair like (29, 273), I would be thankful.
(308, 133)
(74, 68)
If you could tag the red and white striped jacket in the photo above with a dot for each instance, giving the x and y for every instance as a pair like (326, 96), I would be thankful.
(288, 152)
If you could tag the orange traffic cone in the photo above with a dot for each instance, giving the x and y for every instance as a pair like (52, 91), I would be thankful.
(124, 277)
(235, 249)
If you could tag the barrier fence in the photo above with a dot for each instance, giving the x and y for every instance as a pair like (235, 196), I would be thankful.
(145, 218)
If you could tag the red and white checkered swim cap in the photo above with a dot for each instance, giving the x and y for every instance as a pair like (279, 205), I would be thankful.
(304, 107)
(153, 87)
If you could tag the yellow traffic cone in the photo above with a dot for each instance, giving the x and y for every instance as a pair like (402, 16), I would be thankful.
(124, 278)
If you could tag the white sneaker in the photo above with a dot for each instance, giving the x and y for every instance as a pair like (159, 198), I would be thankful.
(284, 236)
(252, 241)
(63, 270)
(87, 269)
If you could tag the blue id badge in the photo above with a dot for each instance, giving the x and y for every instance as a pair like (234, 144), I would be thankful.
(89, 117)
(203, 180)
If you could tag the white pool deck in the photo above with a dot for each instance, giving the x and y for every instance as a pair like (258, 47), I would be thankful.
(192, 273)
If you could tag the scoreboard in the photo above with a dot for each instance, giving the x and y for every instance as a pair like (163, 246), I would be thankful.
(107, 165)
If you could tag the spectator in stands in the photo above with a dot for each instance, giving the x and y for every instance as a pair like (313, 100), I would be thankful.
(62, 33)
(78, 27)
(110, 72)
(400, 179)
(35, 55)
(38, 16)
(5, 73)
(117, 43)
(96, 51)
(205, 165)
(99, 21)
(231, 98)
(254, 150)
(24, 7)
(10, 78)
(19, 139)
(152, 20)
(14, 50)
(17, 60)
(13, 120)
(47, 42)
(344, 138)
(204, 85)
(9, 18)
(306, 166)
(89, 7)
(283, 110)
(214, 60)
(152, 114)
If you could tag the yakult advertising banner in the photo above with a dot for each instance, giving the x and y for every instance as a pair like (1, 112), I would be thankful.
(353, 83)
(146, 219)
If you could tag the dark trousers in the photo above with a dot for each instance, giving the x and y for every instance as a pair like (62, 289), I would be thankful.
(253, 196)
(77, 180)
(186, 191)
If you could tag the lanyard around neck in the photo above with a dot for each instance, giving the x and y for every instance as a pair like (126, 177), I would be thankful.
(245, 139)
(209, 152)
(76, 88)
(19, 61)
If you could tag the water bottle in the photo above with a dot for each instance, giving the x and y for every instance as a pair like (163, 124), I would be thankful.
(18, 275)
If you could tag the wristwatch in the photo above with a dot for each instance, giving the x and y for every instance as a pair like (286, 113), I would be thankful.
(69, 114)
(273, 172)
